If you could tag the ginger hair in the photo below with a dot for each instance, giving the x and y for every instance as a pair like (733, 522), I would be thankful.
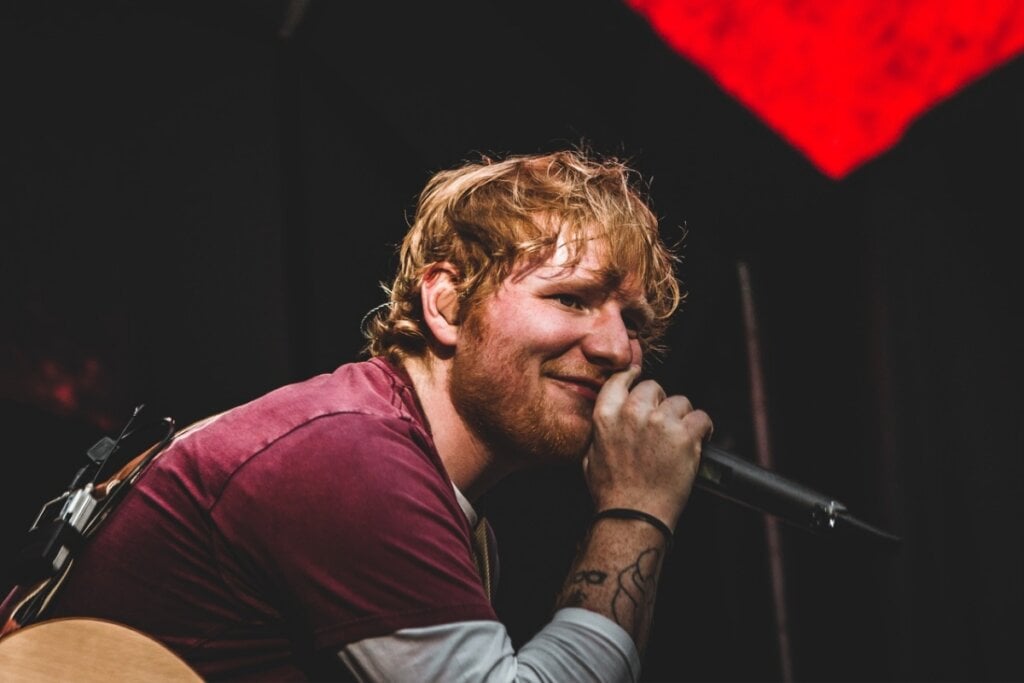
(487, 217)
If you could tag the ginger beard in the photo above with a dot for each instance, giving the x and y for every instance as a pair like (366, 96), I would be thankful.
(503, 395)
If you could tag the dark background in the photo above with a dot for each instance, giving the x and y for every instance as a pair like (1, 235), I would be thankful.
(197, 208)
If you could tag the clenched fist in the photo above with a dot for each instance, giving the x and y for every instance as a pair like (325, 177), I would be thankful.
(646, 447)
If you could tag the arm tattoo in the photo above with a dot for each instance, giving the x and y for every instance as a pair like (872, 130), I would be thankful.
(575, 596)
(637, 585)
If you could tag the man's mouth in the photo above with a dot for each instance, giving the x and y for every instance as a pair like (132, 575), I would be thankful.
(587, 387)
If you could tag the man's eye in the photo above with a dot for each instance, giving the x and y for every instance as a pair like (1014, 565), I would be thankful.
(569, 300)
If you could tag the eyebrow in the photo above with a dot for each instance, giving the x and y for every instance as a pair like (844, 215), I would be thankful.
(642, 309)
(609, 282)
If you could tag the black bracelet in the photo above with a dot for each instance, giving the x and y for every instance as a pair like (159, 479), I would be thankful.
(629, 513)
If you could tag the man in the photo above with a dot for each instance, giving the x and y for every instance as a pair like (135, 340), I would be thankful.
(333, 519)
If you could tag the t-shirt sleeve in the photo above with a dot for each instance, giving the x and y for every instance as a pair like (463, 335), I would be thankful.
(352, 522)
(577, 645)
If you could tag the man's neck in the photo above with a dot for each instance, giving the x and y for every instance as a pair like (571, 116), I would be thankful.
(472, 466)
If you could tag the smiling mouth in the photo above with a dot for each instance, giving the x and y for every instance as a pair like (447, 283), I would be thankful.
(587, 388)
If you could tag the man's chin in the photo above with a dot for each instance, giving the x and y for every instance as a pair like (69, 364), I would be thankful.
(572, 442)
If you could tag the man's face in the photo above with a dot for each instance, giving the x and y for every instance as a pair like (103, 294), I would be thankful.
(532, 356)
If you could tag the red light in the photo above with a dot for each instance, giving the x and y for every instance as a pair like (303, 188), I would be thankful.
(840, 79)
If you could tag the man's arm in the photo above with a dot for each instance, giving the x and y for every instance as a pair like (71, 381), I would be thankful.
(644, 457)
(616, 575)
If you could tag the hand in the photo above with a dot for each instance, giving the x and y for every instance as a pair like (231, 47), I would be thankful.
(646, 447)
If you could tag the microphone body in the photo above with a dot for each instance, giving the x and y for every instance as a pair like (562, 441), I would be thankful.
(741, 481)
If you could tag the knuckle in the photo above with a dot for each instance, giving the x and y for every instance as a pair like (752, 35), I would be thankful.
(658, 419)
(698, 424)
(648, 386)
(634, 411)
(604, 413)
(680, 404)
(699, 418)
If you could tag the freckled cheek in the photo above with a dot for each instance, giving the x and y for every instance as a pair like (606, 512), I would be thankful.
(554, 338)
(545, 328)
(532, 335)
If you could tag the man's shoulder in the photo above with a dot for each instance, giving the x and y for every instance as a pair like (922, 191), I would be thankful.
(349, 409)
(373, 388)
(371, 391)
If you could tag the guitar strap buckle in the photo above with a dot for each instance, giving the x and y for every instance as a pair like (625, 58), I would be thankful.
(56, 536)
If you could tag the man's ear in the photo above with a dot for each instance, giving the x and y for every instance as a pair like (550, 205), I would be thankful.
(440, 300)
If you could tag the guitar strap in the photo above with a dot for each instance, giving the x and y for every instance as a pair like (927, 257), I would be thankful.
(484, 554)
(24, 604)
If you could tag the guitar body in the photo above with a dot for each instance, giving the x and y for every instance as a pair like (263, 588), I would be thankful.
(82, 649)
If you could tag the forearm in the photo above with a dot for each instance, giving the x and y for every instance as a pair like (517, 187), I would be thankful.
(616, 574)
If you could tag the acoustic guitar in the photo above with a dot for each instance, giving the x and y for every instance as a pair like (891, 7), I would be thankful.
(80, 649)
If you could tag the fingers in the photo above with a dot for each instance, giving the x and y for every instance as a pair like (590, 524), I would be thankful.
(622, 391)
(696, 422)
(622, 381)
(620, 388)
(647, 393)
(616, 388)
(646, 446)
(645, 402)
(700, 425)
(677, 406)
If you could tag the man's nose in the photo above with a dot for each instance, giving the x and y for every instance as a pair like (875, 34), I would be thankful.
(608, 343)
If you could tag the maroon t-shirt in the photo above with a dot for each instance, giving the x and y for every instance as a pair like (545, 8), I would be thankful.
(264, 541)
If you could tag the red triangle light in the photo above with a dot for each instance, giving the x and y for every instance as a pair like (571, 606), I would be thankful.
(841, 80)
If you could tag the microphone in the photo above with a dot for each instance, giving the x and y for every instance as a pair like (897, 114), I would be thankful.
(741, 481)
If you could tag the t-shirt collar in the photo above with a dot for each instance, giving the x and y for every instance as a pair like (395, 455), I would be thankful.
(467, 507)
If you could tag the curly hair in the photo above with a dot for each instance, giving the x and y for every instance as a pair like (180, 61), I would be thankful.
(487, 217)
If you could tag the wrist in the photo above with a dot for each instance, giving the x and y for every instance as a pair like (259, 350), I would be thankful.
(637, 515)
(666, 511)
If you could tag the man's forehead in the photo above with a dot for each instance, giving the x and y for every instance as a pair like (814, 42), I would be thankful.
(595, 272)
(590, 259)
(598, 274)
